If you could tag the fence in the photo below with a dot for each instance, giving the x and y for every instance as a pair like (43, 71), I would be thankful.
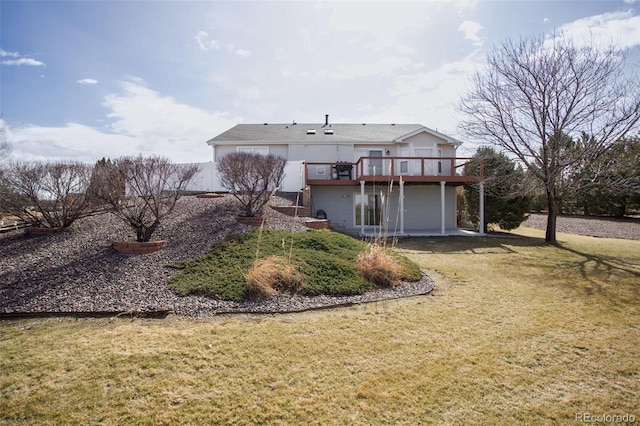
(206, 179)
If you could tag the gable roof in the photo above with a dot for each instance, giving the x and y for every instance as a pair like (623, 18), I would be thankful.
(324, 133)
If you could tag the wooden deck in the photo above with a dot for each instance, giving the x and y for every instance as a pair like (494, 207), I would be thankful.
(381, 170)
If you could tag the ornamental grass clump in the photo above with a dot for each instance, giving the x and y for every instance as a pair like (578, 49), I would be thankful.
(273, 275)
(379, 268)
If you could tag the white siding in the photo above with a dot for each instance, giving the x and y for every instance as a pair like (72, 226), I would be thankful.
(424, 139)
(421, 203)
(422, 207)
(325, 153)
(336, 201)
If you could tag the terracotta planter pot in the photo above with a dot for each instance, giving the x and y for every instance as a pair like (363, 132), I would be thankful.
(134, 247)
(317, 224)
(209, 195)
(253, 221)
(36, 231)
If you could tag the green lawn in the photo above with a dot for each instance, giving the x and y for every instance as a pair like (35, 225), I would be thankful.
(517, 332)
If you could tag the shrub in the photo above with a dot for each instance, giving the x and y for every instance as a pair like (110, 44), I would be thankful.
(272, 275)
(326, 260)
(505, 202)
(379, 268)
(251, 178)
(141, 191)
(51, 195)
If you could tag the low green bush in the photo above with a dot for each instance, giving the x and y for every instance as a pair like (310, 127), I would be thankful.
(326, 260)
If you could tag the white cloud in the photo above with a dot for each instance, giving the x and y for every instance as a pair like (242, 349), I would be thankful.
(161, 124)
(205, 43)
(429, 97)
(23, 61)
(20, 59)
(143, 122)
(243, 53)
(70, 142)
(464, 6)
(619, 28)
(470, 29)
(4, 53)
(384, 65)
(377, 25)
(88, 81)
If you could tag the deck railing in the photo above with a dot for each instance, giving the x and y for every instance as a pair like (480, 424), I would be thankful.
(381, 169)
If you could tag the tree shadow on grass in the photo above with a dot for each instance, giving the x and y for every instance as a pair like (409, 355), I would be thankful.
(471, 245)
(616, 279)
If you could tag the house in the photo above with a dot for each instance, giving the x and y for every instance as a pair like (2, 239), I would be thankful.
(370, 178)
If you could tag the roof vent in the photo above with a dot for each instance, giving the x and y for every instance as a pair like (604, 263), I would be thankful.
(328, 131)
(311, 131)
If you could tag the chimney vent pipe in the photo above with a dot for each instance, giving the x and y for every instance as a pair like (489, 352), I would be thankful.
(326, 119)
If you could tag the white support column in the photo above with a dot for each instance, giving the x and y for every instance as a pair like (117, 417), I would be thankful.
(213, 170)
(481, 209)
(401, 201)
(362, 203)
(442, 207)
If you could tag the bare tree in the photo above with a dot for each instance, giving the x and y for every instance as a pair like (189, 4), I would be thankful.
(251, 178)
(141, 191)
(537, 99)
(45, 194)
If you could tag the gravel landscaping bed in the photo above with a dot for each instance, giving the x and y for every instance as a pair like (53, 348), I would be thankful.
(628, 228)
(77, 271)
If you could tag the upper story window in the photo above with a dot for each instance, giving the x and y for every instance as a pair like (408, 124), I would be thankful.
(262, 150)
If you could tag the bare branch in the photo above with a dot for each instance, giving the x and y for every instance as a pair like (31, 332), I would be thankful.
(141, 190)
(45, 194)
(538, 97)
(251, 178)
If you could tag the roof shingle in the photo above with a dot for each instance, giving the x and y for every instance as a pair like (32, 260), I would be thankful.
(291, 133)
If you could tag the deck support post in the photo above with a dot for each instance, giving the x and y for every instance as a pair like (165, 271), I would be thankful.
(401, 201)
(481, 209)
(362, 204)
(442, 207)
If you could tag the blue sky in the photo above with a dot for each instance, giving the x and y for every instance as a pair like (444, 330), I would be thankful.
(83, 80)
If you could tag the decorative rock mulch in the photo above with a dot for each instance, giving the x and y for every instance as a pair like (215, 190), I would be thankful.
(252, 221)
(628, 228)
(77, 270)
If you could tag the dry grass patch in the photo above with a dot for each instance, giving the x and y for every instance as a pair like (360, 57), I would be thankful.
(518, 332)
(272, 275)
(378, 267)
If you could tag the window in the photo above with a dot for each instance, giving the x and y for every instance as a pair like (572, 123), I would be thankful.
(262, 150)
(375, 164)
(404, 167)
(428, 164)
(372, 209)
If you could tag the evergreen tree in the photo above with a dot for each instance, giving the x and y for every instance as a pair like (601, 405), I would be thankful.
(505, 203)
